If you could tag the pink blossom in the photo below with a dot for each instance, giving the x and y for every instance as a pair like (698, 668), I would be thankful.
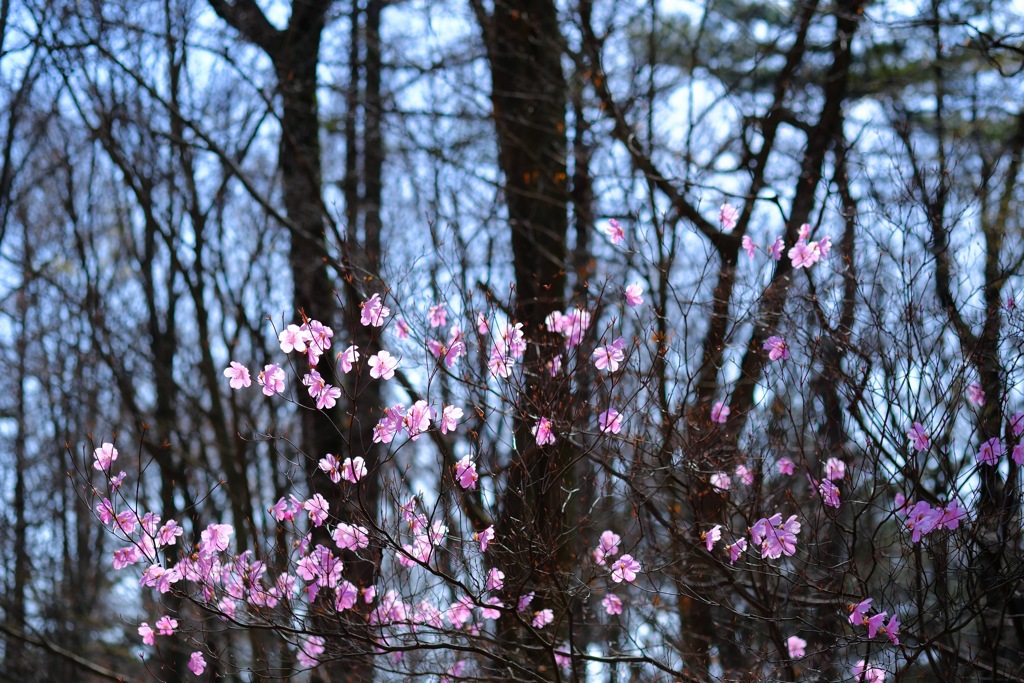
(1017, 423)
(785, 466)
(777, 348)
(862, 673)
(952, 515)
(721, 481)
(720, 412)
(353, 469)
(345, 596)
(711, 537)
(611, 356)
(283, 510)
(804, 255)
(748, 245)
(859, 611)
(495, 579)
(829, 493)
(991, 451)
(492, 608)
(778, 246)
(484, 538)
(825, 246)
(919, 437)
(332, 466)
(736, 549)
(796, 645)
(351, 537)
(449, 418)
(776, 538)
(417, 419)
(196, 663)
(465, 473)
(373, 312)
(293, 338)
(876, 622)
(104, 456)
(614, 231)
(607, 546)
(745, 475)
(922, 519)
(524, 602)
(215, 538)
(382, 365)
(612, 604)
(401, 328)
(805, 232)
(1018, 454)
(317, 508)
(105, 511)
(271, 379)
(610, 421)
(835, 469)
(634, 294)
(168, 533)
(348, 358)
(165, 625)
(147, 633)
(892, 629)
(125, 557)
(328, 397)
(975, 394)
(542, 430)
(438, 315)
(312, 648)
(542, 618)
(727, 217)
(625, 569)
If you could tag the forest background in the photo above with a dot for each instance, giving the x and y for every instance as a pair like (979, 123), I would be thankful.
(182, 180)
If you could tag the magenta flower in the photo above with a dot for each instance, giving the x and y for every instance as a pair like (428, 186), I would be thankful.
(785, 466)
(777, 348)
(804, 254)
(294, 338)
(147, 633)
(775, 537)
(721, 481)
(859, 611)
(736, 549)
(607, 546)
(495, 579)
(796, 645)
(317, 508)
(348, 358)
(543, 618)
(484, 538)
(165, 625)
(382, 365)
(862, 673)
(612, 604)
(975, 394)
(892, 629)
(610, 421)
(919, 438)
(438, 316)
(835, 469)
(829, 493)
(239, 375)
(353, 469)
(720, 412)
(104, 456)
(991, 451)
(876, 622)
(351, 537)
(542, 430)
(271, 379)
(450, 418)
(465, 473)
(1017, 423)
(778, 246)
(727, 217)
(196, 663)
(614, 231)
(524, 602)
(634, 294)
(625, 569)
(745, 475)
(711, 537)
(748, 245)
(609, 357)
(373, 312)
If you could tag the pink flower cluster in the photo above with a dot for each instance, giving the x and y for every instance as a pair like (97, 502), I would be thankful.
(921, 518)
